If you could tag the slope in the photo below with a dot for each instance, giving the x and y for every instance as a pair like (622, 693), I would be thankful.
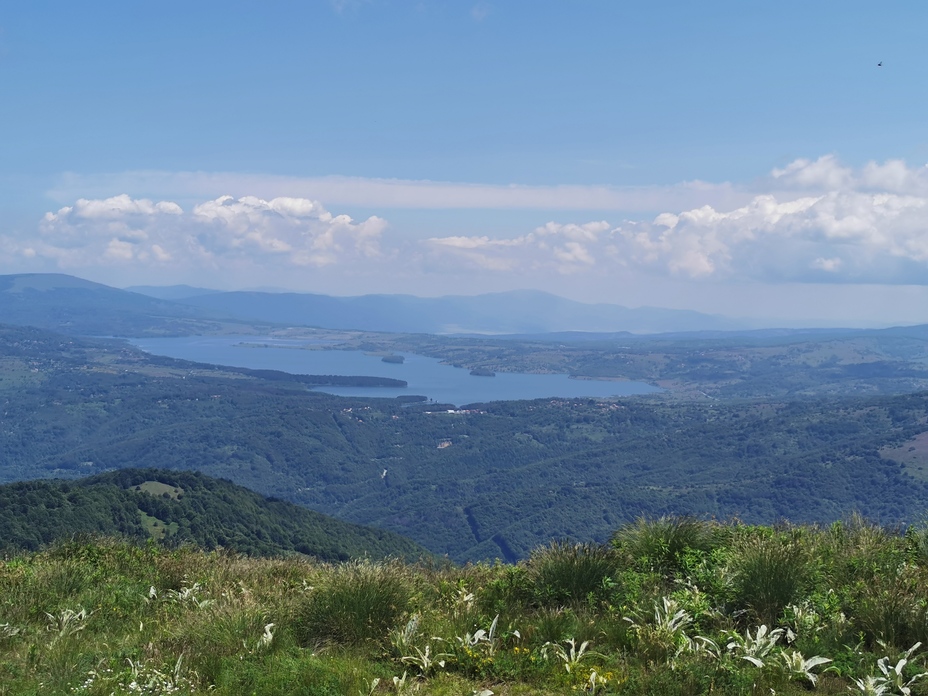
(182, 507)
(75, 306)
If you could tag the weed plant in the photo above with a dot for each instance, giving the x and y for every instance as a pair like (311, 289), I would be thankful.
(769, 573)
(564, 574)
(662, 544)
(787, 610)
(356, 603)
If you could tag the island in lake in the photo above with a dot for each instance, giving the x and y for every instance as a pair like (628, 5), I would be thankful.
(482, 372)
(398, 359)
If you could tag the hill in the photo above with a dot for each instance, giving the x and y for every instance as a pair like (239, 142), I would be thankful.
(182, 507)
(80, 307)
(170, 292)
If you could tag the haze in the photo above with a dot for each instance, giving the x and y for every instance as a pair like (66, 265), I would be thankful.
(744, 159)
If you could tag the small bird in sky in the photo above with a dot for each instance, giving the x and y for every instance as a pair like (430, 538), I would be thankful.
(880, 64)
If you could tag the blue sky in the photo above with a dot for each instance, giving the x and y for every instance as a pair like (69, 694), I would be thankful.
(743, 158)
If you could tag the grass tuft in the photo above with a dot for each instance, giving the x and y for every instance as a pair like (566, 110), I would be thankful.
(563, 573)
(358, 603)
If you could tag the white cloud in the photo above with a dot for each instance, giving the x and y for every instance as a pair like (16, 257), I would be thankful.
(830, 265)
(480, 11)
(831, 223)
(561, 248)
(812, 220)
(825, 173)
(247, 231)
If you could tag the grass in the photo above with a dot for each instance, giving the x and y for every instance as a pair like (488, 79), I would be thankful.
(107, 617)
(157, 489)
(662, 544)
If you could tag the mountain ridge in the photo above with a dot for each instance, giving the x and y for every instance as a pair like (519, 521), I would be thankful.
(519, 311)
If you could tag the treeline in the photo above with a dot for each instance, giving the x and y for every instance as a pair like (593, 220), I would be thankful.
(280, 376)
(321, 380)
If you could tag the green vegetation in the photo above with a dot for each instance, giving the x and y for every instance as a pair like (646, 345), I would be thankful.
(497, 481)
(841, 610)
(179, 507)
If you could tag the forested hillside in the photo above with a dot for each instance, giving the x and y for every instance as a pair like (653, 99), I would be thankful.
(178, 507)
(494, 481)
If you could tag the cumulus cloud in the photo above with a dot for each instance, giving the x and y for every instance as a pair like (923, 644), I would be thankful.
(829, 223)
(246, 231)
(811, 220)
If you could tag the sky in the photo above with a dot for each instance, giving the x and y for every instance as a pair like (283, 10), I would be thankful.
(751, 159)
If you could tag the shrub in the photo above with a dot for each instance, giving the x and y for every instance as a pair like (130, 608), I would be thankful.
(564, 573)
(769, 573)
(662, 543)
(892, 610)
(360, 603)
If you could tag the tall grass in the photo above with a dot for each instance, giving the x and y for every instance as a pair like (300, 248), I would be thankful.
(98, 617)
(357, 603)
(769, 573)
(661, 544)
(563, 573)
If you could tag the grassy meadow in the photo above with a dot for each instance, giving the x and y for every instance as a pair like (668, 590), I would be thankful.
(670, 606)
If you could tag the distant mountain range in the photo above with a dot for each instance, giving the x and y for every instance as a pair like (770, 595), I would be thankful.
(80, 307)
(73, 305)
(523, 311)
(170, 292)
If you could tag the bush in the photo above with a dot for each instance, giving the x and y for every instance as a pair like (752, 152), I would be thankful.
(662, 543)
(769, 573)
(564, 573)
(892, 610)
(360, 603)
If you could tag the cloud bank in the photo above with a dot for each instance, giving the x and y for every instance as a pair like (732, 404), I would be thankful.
(220, 233)
(811, 221)
(829, 223)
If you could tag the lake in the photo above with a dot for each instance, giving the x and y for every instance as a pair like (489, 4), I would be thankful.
(425, 376)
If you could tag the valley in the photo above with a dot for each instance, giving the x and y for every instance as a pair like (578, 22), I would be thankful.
(494, 480)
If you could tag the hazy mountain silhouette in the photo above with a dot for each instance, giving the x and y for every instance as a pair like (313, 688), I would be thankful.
(522, 311)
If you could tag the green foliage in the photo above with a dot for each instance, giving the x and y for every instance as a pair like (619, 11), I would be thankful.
(189, 508)
(563, 573)
(662, 544)
(359, 602)
(769, 572)
(96, 617)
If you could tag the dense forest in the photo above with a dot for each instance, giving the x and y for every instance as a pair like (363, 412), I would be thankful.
(494, 481)
(178, 507)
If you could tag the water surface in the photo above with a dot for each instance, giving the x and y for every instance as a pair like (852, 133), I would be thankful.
(425, 376)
